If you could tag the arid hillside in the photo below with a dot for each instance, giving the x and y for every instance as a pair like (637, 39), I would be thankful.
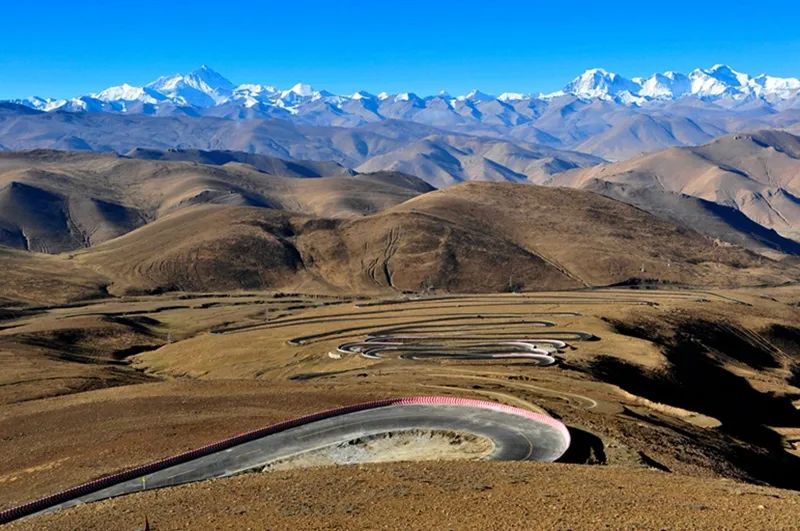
(757, 174)
(476, 237)
(53, 201)
(36, 278)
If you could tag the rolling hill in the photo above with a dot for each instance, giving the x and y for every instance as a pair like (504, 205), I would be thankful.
(757, 174)
(717, 221)
(473, 237)
(54, 201)
(448, 159)
(185, 137)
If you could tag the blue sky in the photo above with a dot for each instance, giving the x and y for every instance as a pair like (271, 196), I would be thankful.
(66, 48)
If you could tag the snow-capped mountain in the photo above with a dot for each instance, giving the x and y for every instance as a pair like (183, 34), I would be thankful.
(475, 95)
(42, 104)
(720, 82)
(598, 83)
(250, 94)
(205, 91)
(201, 88)
(127, 92)
(362, 95)
(668, 85)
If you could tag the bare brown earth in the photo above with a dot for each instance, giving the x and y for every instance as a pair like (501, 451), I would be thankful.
(151, 226)
(55, 350)
(207, 227)
(54, 201)
(460, 495)
(477, 237)
(756, 173)
(33, 278)
(702, 386)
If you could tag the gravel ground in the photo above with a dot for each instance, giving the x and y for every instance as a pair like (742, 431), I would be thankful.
(444, 495)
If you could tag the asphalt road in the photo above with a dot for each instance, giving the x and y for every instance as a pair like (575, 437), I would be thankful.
(516, 434)
(465, 347)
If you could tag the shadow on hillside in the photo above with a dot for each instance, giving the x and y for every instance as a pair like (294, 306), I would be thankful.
(696, 379)
(585, 448)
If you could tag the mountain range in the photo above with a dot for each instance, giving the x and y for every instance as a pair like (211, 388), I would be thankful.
(440, 156)
(599, 113)
(204, 89)
(711, 150)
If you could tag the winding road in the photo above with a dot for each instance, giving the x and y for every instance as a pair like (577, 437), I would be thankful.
(538, 352)
(515, 434)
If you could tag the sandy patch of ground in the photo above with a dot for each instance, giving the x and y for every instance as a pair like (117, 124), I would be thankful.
(407, 445)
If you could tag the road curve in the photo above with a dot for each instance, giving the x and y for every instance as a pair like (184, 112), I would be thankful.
(516, 434)
(414, 347)
(386, 343)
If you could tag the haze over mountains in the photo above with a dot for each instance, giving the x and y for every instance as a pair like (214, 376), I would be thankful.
(454, 157)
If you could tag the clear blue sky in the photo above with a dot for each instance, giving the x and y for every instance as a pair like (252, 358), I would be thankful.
(66, 48)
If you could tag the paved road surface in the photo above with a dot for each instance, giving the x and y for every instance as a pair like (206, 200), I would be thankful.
(517, 434)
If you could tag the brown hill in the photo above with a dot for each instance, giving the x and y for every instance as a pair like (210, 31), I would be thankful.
(33, 278)
(718, 221)
(594, 239)
(757, 174)
(444, 160)
(265, 163)
(471, 237)
(54, 201)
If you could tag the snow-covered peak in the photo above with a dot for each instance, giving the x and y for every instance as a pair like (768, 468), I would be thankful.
(254, 88)
(713, 84)
(41, 104)
(777, 87)
(405, 96)
(599, 83)
(475, 95)
(718, 81)
(728, 75)
(251, 94)
(512, 96)
(362, 95)
(211, 79)
(298, 94)
(303, 90)
(203, 79)
(203, 87)
(126, 92)
(669, 85)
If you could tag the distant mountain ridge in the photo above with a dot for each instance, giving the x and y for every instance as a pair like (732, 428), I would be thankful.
(600, 113)
(204, 89)
(454, 157)
(718, 83)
